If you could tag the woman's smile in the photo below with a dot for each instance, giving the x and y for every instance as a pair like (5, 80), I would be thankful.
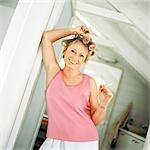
(72, 61)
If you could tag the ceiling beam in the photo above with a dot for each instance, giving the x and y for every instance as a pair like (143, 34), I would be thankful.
(100, 41)
(85, 21)
(103, 42)
(139, 19)
(102, 12)
(98, 38)
(122, 48)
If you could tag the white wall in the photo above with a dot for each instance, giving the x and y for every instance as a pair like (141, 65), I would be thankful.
(5, 18)
(149, 105)
(63, 22)
(9, 3)
(19, 64)
(132, 89)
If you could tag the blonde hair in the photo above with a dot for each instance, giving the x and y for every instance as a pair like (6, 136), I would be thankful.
(86, 41)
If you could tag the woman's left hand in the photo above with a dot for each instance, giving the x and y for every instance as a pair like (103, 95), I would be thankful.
(105, 95)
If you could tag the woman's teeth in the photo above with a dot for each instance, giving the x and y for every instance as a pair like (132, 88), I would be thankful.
(72, 62)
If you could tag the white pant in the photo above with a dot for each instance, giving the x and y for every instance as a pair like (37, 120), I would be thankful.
(52, 144)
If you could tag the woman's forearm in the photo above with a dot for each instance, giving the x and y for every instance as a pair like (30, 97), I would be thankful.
(56, 34)
(99, 115)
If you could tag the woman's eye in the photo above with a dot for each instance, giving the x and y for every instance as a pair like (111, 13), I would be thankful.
(72, 51)
(81, 55)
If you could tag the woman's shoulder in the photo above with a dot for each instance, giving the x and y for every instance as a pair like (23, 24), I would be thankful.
(91, 79)
(88, 76)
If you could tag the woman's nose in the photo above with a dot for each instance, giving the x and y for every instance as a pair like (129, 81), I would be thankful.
(75, 57)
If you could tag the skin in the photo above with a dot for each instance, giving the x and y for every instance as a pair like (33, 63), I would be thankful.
(74, 56)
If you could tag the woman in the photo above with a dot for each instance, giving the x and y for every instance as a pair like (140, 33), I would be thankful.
(71, 96)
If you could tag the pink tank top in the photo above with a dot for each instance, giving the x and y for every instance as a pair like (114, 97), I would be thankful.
(68, 110)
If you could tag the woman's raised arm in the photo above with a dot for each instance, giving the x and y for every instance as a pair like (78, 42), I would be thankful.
(48, 53)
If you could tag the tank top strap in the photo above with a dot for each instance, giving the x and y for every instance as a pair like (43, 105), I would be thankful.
(86, 78)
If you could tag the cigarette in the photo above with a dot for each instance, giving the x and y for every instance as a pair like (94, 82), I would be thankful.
(110, 84)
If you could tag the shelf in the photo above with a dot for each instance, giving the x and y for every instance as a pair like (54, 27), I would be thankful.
(133, 134)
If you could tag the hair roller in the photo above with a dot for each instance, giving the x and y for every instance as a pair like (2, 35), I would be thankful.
(86, 39)
(84, 29)
(91, 52)
(75, 34)
(92, 46)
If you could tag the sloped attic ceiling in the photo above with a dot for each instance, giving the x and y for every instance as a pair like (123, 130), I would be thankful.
(121, 25)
